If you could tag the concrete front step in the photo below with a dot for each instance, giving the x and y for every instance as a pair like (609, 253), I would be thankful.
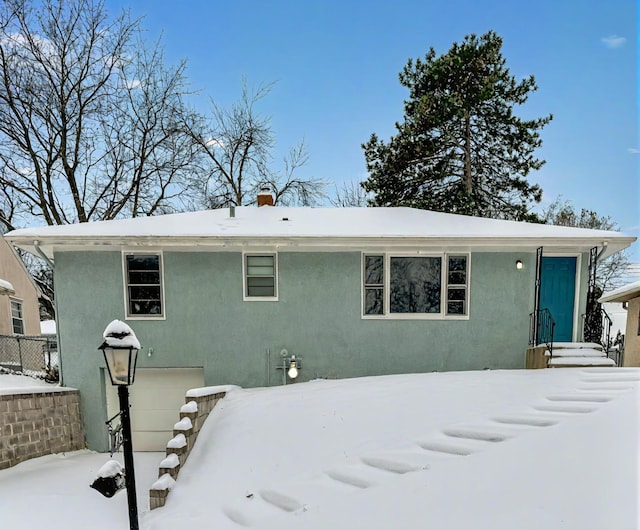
(567, 354)
(576, 346)
(567, 362)
(582, 352)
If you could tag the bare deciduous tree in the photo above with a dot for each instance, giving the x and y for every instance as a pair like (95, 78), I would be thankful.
(237, 144)
(88, 116)
(611, 272)
(350, 194)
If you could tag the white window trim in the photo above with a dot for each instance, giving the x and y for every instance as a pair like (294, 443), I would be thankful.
(125, 284)
(21, 302)
(442, 315)
(246, 298)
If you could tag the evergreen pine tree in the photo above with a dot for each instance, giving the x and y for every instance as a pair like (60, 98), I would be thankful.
(460, 148)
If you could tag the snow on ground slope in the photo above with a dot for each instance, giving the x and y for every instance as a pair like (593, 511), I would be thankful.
(527, 449)
(53, 493)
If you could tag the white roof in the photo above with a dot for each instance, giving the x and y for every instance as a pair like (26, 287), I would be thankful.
(6, 287)
(622, 294)
(47, 327)
(315, 227)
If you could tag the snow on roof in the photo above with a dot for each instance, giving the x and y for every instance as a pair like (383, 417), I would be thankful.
(301, 222)
(622, 294)
(48, 327)
(6, 286)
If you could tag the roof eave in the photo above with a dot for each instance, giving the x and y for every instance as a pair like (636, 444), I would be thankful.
(506, 243)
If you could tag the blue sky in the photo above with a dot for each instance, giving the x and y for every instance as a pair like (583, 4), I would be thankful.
(336, 65)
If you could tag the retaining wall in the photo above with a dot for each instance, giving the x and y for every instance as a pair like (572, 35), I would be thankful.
(199, 402)
(39, 423)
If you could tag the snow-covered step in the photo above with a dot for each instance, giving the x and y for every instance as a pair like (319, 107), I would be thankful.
(576, 346)
(558, 361)
(486, 433)
(400, 462)
(285, 502)
(526, 419)
(584, 352)
(352, 477)
(566, 408)
(391, 465)
(452, 446)
(585, 398)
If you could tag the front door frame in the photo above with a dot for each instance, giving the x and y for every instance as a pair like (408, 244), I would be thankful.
(576, 287)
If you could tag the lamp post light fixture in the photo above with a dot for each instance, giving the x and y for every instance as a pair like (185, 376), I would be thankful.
(120, 350)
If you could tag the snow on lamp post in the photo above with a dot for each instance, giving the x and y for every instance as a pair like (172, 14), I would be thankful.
(120, 350)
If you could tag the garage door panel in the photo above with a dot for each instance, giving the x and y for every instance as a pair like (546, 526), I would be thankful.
(154, 420)
(149, 441)
(155, 398)
(151, 399)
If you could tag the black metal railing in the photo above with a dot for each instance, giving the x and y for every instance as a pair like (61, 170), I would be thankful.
(34, 356)
(596, 327)
(617, 350)
(541, 327)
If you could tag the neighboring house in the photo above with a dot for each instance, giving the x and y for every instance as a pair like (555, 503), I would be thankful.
(629, 295)
(19, 306)
(217, 296)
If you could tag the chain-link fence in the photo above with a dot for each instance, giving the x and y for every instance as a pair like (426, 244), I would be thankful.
(35, 356)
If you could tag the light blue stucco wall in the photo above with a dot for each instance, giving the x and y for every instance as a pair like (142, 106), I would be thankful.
(317, 316)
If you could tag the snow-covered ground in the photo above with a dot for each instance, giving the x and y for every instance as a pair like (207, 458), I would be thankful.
(21, 384)
(53, 493)
(500, 450)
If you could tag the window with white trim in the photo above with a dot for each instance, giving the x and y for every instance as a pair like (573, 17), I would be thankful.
(260, 276)
(17, 321)
(435, 286)
(457, 285)
(373, 285)
(143, 277)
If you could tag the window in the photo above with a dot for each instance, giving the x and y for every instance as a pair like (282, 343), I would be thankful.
(426, 286)
(457, 285)
(260, 276)
(16, 317)
(374, 285)
(143, 274)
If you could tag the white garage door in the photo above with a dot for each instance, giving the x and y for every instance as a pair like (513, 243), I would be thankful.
(155, 398)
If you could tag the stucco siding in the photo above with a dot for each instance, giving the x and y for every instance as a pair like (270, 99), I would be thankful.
(317, 316)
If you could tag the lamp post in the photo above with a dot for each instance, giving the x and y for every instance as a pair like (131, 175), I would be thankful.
(120, 350)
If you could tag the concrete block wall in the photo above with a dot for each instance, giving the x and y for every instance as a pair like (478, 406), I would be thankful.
(205, 400)
(38, 424)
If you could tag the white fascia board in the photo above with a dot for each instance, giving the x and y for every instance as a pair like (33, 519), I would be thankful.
(321, 244)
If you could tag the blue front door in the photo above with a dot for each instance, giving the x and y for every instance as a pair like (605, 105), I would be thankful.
(557, 293)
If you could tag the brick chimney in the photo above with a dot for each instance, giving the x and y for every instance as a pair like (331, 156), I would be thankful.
(265, 198)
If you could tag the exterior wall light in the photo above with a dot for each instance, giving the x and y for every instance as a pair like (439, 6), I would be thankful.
(291, 366)
(120, 349)
(519, 264)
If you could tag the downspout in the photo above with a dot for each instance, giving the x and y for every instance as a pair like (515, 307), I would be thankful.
(36, 245)
(605, 244)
